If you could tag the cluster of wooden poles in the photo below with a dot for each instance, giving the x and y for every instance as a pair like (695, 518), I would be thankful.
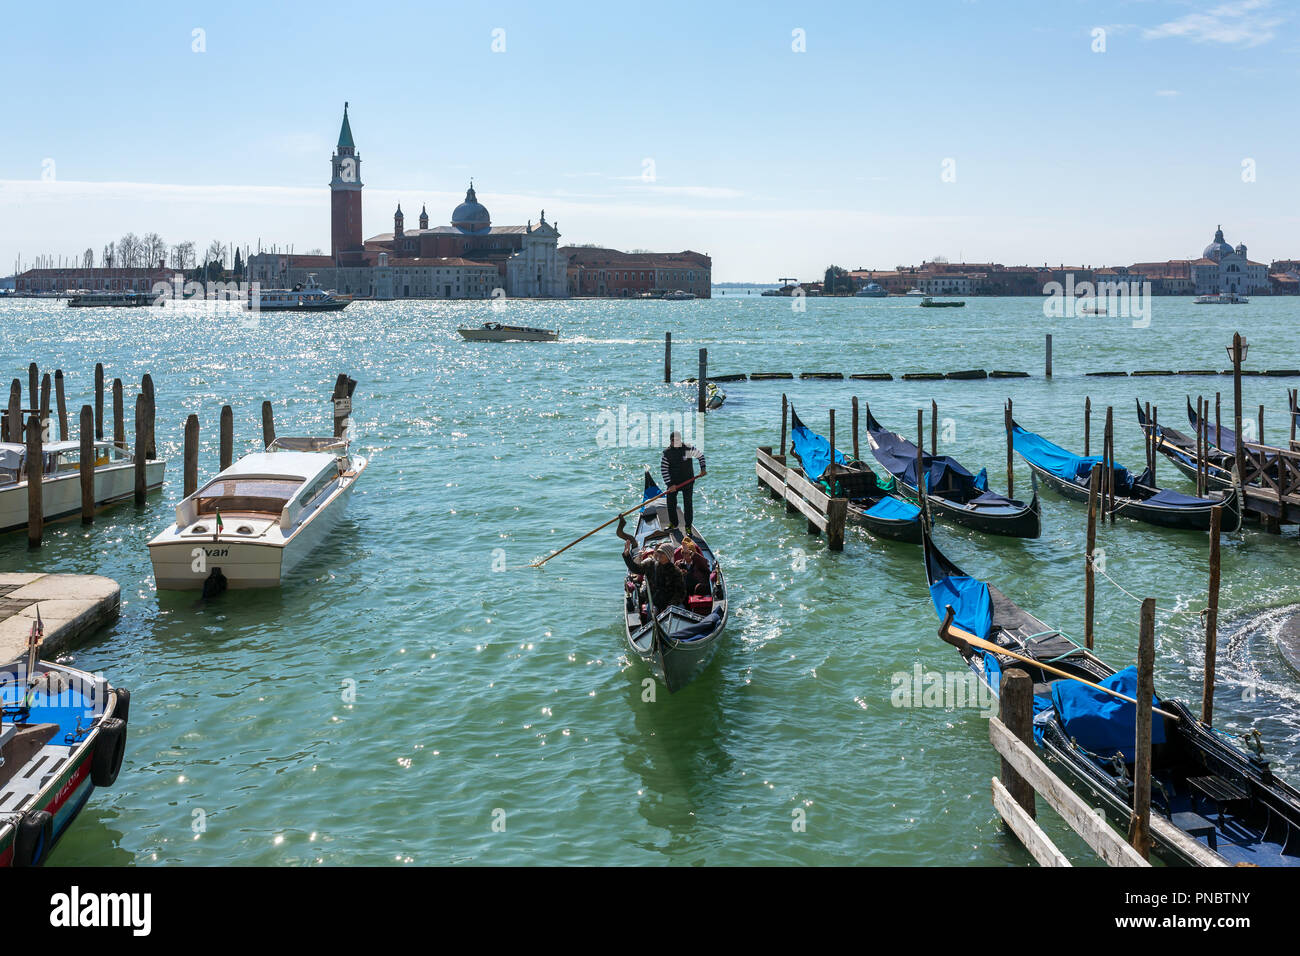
(35, 432)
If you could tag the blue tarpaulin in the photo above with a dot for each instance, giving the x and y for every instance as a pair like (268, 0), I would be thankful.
(971, 604)
(1063, 464)
(1101, 723)
(894, 510)
(813, 450)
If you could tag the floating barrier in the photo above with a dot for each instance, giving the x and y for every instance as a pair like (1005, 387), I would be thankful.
(1280, 372)
(922, 376)
(1107, 374)
(973, 373)
(769, 376)
(996, 373)
(1197, 371)
(825, 375)
(1153, 371)
(872, 377)
(737, 377)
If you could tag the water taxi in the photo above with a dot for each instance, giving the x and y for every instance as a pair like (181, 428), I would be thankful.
(871, 290)
(84, 299)
(496, 332)
(1221, 298)
(252, 524)
(61, 479)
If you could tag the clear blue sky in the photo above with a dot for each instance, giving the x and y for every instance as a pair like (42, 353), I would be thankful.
(774, 162)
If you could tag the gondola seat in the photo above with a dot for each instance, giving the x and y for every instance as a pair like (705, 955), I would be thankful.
(1195, 825)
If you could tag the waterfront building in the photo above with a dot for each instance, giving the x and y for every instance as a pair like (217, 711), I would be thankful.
(595, 271)
(91, 280)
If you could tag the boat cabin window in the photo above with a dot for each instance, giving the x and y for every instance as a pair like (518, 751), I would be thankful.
(253, 495)
(322, 483)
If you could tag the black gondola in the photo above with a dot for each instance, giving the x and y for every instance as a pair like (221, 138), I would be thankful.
(1180, 448)
(1135, 497)
(951, 491)
(1224, 798)
(676, 642)
(871, 503)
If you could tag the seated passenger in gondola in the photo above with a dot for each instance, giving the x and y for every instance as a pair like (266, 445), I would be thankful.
(667, 587)
(694, 566)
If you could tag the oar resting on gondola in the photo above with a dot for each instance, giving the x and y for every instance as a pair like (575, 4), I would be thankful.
(873, 502)
(1086, 719)
(1136, 497)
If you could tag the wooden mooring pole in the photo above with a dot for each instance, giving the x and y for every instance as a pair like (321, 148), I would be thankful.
(146, 386)
(141, 446)
(1155, 455)
(702, 381)
(268, 424)
(191, 455)
(1049, 354)
(1089, 570)
(1140, 824)
(99, 401)
(785, 414)
(934, 427)
(119, 415)
(1015, 709)
(45, 406)
(86, 464)
(1211, 620)
(14, 416)
(856, 456)
(1007, 414)
(227, 437)
(35, 480)
(1236, 407)
(1110, 462)
(33, 382)
(1087, 426)
(668, 357)
(60, 400)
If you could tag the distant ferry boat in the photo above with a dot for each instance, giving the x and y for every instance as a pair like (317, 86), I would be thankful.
(915, 292)
(496, 332)
(1221, 298)
(308, 297)
(679, 296)
(871, 290)
(110, 299)
(929, 303)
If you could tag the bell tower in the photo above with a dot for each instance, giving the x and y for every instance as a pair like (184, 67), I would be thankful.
(345, 197)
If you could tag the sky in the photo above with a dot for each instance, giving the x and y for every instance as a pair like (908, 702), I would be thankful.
(778, 138)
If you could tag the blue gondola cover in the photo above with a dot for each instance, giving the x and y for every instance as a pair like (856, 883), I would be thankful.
(892, 509)
(813, 450)
(1101, 723)
(971, 604)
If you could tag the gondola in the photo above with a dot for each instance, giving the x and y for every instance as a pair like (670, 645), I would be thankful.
(1220, 796)
(871, 503)
(1180, 448)
(1135, 497)
(951, 491)
(676, 642)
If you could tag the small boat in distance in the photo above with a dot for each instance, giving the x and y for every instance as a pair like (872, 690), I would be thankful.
(61, 479)
(714, 396)
(496, 332)
(678, 296)
(1221, 298)
(929, 303)
(871, 290)
(304, 297)
(62, 734)
(280, 504)
(676, 642)
(915, 292)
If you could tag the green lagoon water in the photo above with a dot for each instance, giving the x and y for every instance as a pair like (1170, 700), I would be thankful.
(487, 695)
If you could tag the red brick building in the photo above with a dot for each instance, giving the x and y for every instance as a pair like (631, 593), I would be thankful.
(92, 280)
(610, 273)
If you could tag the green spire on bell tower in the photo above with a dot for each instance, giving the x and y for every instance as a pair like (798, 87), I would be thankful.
(345, 132)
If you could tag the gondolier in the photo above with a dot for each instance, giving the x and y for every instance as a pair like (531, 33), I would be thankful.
(675, 466)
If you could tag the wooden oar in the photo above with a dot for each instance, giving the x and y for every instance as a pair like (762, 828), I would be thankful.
(957, 637)
(538, 564)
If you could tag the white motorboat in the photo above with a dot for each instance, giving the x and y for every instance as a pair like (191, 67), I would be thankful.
(872, 290)
(61, 479)
(496, 332)
(304, 297)
(915, 292)
(678, 295)
(256, 521)
(1221, 298)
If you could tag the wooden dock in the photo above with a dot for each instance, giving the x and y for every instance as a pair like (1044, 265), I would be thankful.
(826, 515)
(71, 606)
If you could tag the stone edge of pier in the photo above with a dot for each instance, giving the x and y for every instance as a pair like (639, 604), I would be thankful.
(72, 606)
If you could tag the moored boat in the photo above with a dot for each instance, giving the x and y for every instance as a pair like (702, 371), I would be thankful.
(1136, 497)
(1217, 795)
(252, 524)
(61, 479)
(872, 502)
(113, 299)
(677, 643)
(951, 491)
(928, 302)
(1221, 298)
(496, 332)
(62, 734)
(677, 295)
(714, 396)
(872, 290)
(1180, 448)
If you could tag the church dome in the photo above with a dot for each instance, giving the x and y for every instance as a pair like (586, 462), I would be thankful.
(1218, 248)
(471, 215)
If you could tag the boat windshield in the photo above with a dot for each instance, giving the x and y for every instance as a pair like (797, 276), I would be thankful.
(253, 495)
